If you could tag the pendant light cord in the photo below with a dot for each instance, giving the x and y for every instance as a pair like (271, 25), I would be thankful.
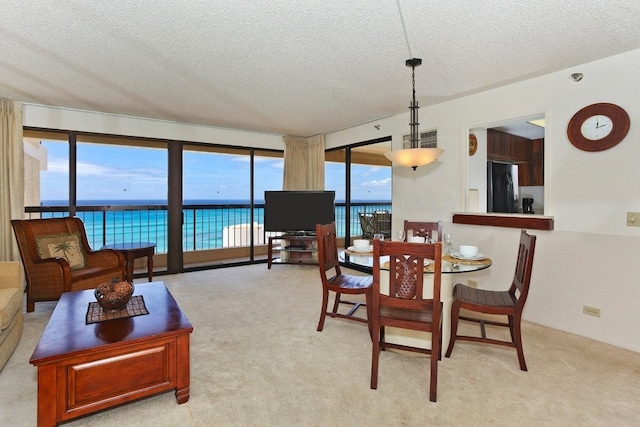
(404, 28)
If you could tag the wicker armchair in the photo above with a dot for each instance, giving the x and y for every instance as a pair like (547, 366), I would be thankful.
(57, 258)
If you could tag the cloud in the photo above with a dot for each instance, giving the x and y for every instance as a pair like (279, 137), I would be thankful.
(93, 170)
(377, 183)
(57, 166)
(368, 170)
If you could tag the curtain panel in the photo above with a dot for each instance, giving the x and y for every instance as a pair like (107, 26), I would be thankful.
(303, 163)
(11, 176)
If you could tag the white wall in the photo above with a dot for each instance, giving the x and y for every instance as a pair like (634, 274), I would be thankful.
(590, 258)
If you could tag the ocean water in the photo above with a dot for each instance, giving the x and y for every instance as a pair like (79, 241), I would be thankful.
(204, 227)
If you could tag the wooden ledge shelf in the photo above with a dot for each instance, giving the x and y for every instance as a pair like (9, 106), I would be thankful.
(533, 222)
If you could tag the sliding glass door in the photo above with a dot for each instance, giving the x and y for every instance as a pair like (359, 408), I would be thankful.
(361, 176)
(144, 190)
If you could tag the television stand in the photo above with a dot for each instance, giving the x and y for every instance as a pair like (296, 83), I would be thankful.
(293, 249)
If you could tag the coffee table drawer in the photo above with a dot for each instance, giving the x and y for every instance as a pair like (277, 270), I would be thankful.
(123, 376)
(99, 381)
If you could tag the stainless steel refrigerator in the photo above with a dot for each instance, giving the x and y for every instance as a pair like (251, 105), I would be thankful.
(502, 187)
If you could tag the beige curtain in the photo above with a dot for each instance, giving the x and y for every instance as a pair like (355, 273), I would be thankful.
(303, 163)
(11, 176)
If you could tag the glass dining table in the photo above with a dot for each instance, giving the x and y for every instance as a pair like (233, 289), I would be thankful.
(452, 269)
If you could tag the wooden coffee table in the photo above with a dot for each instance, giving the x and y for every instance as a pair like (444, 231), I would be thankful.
(86, 368)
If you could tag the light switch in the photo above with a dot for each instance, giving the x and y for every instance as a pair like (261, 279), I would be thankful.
(633, 219)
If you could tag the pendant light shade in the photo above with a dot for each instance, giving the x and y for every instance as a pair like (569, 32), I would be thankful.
(415, 156)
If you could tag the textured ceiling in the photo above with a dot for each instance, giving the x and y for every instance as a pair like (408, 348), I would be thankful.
(291, 67)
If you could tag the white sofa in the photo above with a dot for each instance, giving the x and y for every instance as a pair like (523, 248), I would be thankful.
(11, 295)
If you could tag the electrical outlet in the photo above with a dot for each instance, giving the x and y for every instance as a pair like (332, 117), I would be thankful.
(472, 283)
(591, 311)
(633, 219)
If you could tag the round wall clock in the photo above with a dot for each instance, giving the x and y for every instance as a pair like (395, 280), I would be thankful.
(473, 144)
(598, 127)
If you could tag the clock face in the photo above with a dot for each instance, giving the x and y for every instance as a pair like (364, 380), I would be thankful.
(596, 127)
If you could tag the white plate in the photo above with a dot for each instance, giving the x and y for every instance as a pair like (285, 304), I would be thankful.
(354, 249)
(468, 258)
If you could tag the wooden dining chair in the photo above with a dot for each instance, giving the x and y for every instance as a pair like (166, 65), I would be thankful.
(423, 229)
(509, 303)
(402, 303)
(333, 280)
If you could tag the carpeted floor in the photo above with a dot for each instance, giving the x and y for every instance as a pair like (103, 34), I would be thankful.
(257, 360)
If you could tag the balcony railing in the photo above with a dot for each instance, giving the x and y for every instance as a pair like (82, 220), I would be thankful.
(205, 227)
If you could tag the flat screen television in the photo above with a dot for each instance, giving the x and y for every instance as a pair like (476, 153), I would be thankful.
(298, 211)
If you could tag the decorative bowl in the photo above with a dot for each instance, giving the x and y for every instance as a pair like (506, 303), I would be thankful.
(114, 295)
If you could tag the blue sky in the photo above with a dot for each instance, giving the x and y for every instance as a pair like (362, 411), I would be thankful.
(111, 172)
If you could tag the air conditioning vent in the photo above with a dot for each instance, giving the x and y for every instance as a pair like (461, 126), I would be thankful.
(428, 139)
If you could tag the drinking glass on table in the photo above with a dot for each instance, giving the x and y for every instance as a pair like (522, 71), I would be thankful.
(400, 235)
(448, 241)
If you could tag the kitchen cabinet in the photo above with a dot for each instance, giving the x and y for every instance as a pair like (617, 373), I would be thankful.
(527, 154)
(537, 163)
(505, 147)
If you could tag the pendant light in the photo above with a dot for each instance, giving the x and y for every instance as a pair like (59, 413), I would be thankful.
(415, 156)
